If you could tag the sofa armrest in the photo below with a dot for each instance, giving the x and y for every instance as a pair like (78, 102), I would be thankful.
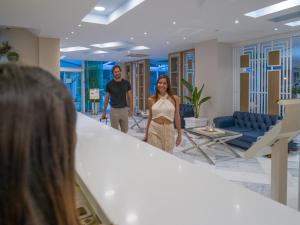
(224, 121)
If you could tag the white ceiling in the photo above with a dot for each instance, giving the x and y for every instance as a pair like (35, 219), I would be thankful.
(197, 20)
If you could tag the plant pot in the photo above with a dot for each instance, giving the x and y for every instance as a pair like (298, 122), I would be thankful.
(195, 122)
(12, 56)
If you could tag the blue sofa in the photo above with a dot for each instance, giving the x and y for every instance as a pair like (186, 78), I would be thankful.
(185, 110)
(251, 125)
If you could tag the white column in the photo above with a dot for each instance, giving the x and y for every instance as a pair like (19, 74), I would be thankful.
(49, 55)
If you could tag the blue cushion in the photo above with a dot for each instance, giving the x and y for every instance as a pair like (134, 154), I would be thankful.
(251, 136)
(224, 122)
(240, 143)
(185, 110)
(267, 121)
(238, 129)
(251, 125)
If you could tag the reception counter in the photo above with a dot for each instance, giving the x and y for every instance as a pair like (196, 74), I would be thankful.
(129, 182)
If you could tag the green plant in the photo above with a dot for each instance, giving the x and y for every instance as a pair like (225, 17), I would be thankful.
(12, 56)
(295, 90)
(5, 52)
(195, 96)
(4, 48)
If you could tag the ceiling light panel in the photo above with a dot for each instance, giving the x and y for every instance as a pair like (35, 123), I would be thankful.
(286, 17)
(273, 8)
(99, 52)
(73, 49)
(293, 24)
(137, 48)
(110, 44)
(99, 8)
(113, 10)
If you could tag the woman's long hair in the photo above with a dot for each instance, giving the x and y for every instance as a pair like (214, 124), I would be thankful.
(169, 90)
(37, 143)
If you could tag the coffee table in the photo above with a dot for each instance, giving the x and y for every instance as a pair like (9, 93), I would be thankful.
(142, 116)
(218, 136)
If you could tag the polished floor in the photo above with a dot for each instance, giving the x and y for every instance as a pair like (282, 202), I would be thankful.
(253, 174)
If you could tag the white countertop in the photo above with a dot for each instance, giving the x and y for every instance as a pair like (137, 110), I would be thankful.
(135, 183)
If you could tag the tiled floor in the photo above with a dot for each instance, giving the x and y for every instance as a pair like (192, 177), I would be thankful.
(253, 174)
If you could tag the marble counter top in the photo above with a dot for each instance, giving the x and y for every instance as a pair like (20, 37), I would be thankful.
(135, 183)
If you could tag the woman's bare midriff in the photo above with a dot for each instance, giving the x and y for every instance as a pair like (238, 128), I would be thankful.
(162, 120)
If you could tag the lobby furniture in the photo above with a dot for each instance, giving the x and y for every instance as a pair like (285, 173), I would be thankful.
(128, 181)
(175, 72)
(251, 125)
(181, 65)
(213, 137)
(185, 110)
(138, 74)
(275, 142)
(141, 117)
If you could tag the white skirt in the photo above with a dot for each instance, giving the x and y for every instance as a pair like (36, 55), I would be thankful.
(162, 136)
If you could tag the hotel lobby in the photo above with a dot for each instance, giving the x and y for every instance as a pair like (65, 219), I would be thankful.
(238, 161)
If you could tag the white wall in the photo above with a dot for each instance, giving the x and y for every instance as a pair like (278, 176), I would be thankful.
(33, 50)
(213, 68)
(49, 55)
(24, 43)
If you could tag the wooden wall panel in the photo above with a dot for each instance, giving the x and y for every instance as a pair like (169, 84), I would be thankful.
(244, 61)
(244, 92)
(274, 58)
(273, 92)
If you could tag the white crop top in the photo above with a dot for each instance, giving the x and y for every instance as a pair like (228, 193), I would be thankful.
(163, 107)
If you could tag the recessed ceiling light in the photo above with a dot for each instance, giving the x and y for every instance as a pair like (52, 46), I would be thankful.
(141, 47)
(99, 52)
(174, 22)
(236, 21)
(79, 25)
(99, 8)
(109, 44)
(273, 8)
(67, 38)
(73, 49)
(72, 32)
(131, 38)
(276, 29)
(167, 42)
(97, 17)
(184, 38)
(145, 33)
(293, 24)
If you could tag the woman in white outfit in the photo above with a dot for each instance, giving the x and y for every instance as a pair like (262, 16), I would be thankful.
(164, 110)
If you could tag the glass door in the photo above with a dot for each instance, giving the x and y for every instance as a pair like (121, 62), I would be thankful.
(72, 80)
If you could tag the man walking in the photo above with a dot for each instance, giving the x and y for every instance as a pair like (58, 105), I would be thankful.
(118, 90)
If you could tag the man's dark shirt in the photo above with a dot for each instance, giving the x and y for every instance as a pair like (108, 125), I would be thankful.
(118, 91)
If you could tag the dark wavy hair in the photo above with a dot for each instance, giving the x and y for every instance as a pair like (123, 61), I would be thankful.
(115, 67)
(169, 90)
(37, 143)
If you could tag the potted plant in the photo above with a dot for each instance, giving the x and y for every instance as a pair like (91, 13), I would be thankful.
(296, 92)
(12, 56)
(6, 53)
(196, 100)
